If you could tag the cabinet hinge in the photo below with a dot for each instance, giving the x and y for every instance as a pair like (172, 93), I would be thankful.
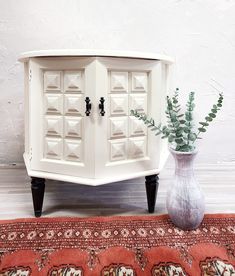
(30, 75)
(30, 154)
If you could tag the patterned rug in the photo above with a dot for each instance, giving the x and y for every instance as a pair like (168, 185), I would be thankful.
(117, 246)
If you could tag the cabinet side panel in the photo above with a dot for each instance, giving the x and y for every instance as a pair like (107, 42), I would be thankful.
(167, 72)
(26, 108)
(155, 99)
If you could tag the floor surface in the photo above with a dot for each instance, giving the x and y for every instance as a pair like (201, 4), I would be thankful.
(120, 198)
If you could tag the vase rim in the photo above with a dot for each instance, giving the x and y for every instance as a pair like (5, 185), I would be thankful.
(195, 151)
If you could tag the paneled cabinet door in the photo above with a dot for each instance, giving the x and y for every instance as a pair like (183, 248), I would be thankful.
(59, 126)
(125, 145)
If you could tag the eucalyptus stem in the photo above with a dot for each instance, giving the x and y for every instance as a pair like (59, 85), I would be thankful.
(169, 104)
(179, 131)
(211, 116)
(149, 122)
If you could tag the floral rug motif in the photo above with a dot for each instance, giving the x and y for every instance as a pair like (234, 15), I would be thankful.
(117, 246)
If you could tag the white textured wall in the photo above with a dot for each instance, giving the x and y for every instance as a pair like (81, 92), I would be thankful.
(200, 35)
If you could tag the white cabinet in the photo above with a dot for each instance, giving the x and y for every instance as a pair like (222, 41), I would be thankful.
(78, 126)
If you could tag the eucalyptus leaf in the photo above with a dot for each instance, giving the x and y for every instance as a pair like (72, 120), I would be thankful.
(204, 123)
(185, 148)
(192, 136)
(186, 130)
(179, 140)
(170, 139)
(176, 124)
(212, 115)
(209, 119)
(173, 119)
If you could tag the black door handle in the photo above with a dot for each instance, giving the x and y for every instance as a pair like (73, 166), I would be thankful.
(88, 106)
(101, 106)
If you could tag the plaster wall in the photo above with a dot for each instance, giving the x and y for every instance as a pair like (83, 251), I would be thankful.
(199, 34)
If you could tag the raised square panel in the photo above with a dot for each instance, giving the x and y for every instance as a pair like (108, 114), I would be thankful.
(73, 127)
(73, 81)
(136, 127)
(52, 80)
(139, 82)
(53, 148)
(118, 150)
(119, 81)
(73, 150)
(138, 102)
(118, 105)
(118, 127)
(137, 147)
(53, 103)
(73, 104)
(54, 125)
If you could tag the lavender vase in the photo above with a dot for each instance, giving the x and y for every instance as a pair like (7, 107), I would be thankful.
(185, 201)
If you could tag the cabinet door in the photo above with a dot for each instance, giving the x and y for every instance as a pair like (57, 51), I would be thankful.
(61, 133)
(126, 148)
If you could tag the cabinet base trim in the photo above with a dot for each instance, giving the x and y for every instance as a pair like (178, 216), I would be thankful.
(85, 181)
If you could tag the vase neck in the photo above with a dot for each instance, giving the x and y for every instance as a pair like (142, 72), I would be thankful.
(184, 161)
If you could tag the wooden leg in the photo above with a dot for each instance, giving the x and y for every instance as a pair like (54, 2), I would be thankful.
(38, 188)
(151, 184)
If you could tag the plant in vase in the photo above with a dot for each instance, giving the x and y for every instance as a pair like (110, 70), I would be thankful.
(185, 201)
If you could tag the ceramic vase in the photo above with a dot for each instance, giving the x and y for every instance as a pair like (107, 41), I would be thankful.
(185, 201)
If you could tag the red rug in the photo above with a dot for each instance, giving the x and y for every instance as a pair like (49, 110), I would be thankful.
(117, 246)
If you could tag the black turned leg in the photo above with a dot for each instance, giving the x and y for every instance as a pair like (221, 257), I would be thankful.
(37, 187)
(151, 184)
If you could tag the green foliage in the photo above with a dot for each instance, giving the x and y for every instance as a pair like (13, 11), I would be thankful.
(179, 129)
(210, 117)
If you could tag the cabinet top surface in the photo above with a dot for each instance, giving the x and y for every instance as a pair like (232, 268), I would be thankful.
(95, 53)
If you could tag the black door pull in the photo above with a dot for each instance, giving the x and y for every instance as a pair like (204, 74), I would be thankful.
(88, 106)
(101, 106)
